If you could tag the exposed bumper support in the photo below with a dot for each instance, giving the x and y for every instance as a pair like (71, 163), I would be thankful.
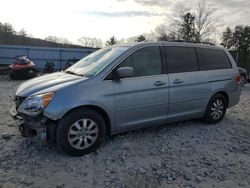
(28, 125)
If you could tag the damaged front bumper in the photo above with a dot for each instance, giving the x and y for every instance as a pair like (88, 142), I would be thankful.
(40, 126)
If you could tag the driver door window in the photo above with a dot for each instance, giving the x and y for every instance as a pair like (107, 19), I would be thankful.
(145, 62)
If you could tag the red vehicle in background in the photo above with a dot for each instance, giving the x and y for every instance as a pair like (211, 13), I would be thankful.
(22, 68)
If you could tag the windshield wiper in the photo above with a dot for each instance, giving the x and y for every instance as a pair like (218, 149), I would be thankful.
(71, 72)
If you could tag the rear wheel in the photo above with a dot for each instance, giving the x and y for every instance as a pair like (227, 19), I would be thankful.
(242, 80)
(216, 109)
(81, 132)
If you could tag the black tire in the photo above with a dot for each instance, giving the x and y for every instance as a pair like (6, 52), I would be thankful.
(210, 112)
(67, 123)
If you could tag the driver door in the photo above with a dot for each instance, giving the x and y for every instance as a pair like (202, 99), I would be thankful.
(142, 99)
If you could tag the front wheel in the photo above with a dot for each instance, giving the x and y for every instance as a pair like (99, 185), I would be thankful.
(216, 109)
(81, 132)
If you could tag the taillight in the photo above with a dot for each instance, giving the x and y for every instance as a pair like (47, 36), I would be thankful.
(237, 78)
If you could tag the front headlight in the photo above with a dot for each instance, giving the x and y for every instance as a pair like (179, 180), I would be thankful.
(34, 105)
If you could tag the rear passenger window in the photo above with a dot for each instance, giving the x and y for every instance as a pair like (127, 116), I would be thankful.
(211, 59)
(181, 59)
(145, 61)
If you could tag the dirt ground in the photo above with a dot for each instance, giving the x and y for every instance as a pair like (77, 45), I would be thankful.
(186, 154)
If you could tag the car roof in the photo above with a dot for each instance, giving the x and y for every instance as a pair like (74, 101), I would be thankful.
(170, 43)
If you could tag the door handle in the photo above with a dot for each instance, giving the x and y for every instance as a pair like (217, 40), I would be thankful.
(177, 81)
(159, 83)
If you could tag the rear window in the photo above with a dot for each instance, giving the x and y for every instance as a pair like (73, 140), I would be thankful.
(181, 59)
(211, 59)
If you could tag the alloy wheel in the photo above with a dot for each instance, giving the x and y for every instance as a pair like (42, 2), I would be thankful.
(83, 134)
(217, 109)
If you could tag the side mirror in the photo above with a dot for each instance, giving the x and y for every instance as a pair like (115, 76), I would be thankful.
(124, 72)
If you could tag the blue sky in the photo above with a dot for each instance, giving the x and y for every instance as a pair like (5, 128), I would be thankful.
(104, 18)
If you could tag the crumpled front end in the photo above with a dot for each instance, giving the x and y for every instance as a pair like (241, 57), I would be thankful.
(39, 126)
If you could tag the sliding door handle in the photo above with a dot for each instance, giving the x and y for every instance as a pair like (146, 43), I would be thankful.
(177, 81)
(159, 83)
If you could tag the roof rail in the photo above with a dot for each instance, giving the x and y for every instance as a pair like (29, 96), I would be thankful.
(191, 41)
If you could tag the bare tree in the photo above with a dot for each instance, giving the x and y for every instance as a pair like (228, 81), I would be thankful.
(85, 41)
(198, 23)
(22, 33)
(90, 42)
(58, 40)
(151, 37)
(163, 33)
(206, 20)
(176, 22)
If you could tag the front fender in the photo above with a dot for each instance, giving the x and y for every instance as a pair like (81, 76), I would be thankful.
(79, 95)
(56, 113)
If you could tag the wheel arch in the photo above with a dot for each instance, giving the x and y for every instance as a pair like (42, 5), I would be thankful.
(207, 117)
(225, 95)
(99, 110)
(222, 93)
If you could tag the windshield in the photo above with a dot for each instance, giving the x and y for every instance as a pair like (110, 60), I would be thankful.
(94, 62)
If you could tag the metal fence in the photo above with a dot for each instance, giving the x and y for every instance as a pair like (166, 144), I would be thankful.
(41, 55)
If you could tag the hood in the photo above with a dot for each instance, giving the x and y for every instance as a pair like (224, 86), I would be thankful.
(45, 82)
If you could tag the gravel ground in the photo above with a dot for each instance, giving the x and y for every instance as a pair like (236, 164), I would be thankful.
(186, 154)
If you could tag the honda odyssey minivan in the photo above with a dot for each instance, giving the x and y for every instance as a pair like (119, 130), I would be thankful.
(125, 87)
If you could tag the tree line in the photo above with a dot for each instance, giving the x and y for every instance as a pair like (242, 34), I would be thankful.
(9, 36)
(237, 41)
(201, 25)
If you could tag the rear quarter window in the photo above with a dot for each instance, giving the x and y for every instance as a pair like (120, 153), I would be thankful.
(213, 59)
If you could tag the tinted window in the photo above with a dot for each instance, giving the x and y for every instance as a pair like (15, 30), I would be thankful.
(181, 59)
(145, 61)
(211, 59)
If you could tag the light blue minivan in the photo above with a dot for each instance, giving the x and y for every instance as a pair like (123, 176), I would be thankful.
(125, 87)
